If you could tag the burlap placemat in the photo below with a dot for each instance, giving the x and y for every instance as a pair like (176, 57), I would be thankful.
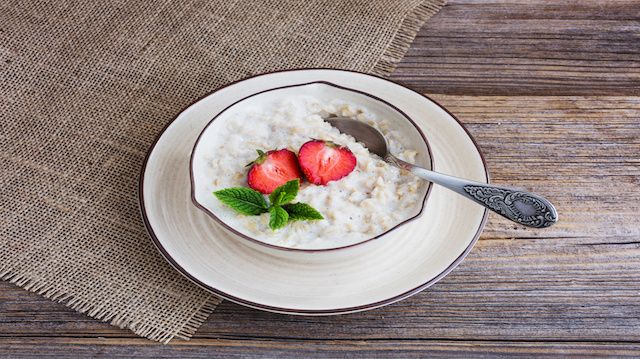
(85, 86)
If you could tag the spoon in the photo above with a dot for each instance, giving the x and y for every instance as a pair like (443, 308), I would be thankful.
(522, 207)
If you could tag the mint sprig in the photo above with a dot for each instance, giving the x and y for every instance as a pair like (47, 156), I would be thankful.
(301, 212)
(281, 211)
(243, 200)
(278, 217)
(285, 193)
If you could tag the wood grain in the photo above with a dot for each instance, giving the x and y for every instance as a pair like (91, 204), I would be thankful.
(234, 348)
(549, 90)
(574, 47)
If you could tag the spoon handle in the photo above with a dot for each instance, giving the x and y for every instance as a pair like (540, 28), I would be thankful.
(522, 207)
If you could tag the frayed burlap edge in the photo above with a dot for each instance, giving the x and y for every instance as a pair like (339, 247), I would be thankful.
(407, 32)
(394, 52)
(186, 330)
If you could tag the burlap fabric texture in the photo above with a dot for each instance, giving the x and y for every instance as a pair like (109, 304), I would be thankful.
(85, 86)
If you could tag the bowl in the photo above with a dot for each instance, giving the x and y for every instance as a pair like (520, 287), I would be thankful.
(209, 142)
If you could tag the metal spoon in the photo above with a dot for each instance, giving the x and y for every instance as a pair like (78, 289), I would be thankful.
(519, 206)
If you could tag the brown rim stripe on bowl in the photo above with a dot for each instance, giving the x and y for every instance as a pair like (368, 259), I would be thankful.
(257, 241)
(336, 311)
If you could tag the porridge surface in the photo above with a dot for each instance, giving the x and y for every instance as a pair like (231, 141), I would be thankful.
(369, 201)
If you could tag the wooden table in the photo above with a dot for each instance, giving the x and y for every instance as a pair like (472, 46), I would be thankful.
(550, 91)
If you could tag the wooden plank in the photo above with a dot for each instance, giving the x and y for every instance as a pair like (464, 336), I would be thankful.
(243, 348)
(582, 152)
(527, 47)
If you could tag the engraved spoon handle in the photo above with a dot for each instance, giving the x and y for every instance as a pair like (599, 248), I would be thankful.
(522, 207)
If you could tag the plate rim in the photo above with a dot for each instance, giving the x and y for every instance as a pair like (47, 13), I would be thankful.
(308, 250)
(269, 308)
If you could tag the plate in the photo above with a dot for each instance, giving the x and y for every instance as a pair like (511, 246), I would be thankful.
(208, 144)
(367, 276)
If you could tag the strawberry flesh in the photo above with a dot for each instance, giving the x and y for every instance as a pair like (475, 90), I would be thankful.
(323, 161)
(273, 169)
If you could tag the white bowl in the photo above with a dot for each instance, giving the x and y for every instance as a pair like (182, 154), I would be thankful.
(210, 141)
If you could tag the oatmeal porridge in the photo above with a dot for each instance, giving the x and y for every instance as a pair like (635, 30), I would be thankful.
(372, 199)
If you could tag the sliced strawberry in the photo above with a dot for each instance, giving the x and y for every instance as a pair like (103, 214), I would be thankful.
(324, 161)
(273, 169)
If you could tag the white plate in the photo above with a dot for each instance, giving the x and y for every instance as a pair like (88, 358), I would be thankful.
(362, 277)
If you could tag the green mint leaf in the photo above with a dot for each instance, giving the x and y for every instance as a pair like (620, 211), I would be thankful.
(285, 193)
(278, 217)
(301, 211)
(243, 200)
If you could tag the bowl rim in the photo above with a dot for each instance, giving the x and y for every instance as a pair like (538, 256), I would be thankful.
(308, 250)
(335, 311)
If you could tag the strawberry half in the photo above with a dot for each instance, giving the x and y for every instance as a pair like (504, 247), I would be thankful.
(325, 161)
(273, 169)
